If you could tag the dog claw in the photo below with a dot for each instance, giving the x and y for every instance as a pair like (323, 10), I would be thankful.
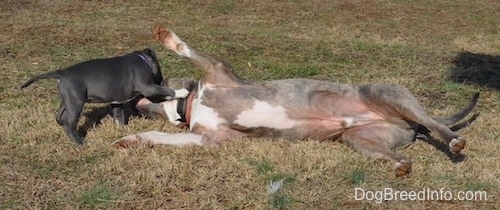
(457, 145)
(402, 167)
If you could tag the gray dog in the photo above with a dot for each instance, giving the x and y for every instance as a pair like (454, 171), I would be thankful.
(114, 80)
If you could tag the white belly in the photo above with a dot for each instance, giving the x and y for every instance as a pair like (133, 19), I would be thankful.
(263, 114)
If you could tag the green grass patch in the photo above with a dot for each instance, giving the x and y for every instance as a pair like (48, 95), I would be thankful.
(477, 186)
(275, 183)
(261, 167)
(356, 176)
(225, 6)
(281, 202)
(96, 196)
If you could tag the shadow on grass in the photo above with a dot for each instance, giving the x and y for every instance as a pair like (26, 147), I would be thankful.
(94, 117)
(480, 69)
(441, 146)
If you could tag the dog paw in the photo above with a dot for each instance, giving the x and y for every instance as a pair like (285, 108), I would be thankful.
(126, 142)
(160, 33)
(402, 167)
(121, 143)
(181, 93)
(457, 145)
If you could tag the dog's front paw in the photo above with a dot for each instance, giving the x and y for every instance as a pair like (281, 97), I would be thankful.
(181, 93)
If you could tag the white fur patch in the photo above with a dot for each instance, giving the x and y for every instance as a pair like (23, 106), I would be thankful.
(176, 139)
(181, 93)
(170, 108)
(184, 49)
(263, 114)
(204, 115)
(181, 48)
(349, 121)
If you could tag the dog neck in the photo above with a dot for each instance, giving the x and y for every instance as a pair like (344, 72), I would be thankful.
(145, 60)
(184, 106)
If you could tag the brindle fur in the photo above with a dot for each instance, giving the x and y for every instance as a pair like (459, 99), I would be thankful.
(371, 118)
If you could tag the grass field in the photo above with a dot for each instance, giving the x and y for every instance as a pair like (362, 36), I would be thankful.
(443, 51)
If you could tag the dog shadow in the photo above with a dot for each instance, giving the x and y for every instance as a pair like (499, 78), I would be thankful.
(94, 117)
(479, 69)
(425, 136)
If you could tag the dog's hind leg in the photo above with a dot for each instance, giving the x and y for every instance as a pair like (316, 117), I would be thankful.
(69, 113)
(71, 123)
(60, 115)
(400, 100)
(214, 70)
(376, 140)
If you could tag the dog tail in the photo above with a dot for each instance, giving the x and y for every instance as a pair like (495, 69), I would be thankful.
(460, 114)
(52, 74)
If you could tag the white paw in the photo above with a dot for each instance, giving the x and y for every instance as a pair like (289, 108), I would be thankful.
(181, 93)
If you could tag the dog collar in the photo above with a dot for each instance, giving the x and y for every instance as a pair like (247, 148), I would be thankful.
(181, 108)
(184, 107)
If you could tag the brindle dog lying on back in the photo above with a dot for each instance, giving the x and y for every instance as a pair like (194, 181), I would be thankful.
(370, 118)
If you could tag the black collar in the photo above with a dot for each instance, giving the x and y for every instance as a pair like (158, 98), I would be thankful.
(181, 108)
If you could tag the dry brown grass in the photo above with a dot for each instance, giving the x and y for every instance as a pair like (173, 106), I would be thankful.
(412, 43)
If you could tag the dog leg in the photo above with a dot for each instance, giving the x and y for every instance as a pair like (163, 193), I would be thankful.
(69, 118)
(60, 115)
(157, 91)
(69, 113)
(402, 102)
(64, 120)
(154, 137)
(118, 113)
(376, 141)
(215, 71)
(200, 136)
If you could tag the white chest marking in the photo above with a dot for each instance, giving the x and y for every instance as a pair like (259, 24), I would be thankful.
(204, 115)
(170, 108)
(262, 114)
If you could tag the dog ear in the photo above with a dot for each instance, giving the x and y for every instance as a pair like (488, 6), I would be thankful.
(150, 52)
